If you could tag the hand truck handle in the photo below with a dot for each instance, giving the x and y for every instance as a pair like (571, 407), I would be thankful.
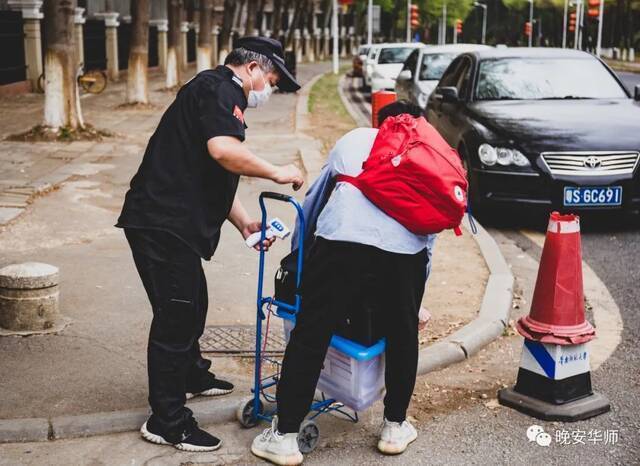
(276, 196)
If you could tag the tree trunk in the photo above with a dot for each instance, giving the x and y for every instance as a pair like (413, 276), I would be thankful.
(173, 43)
(295, 23)
(61, 97)
(204, 35)
(252, 11)
(137, 82)
(260, 18)
(276, 22)
(225, 30)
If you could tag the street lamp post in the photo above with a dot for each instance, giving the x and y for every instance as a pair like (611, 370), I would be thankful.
(564, 24)
(370, 23)
(408, 20)
(600, 19)
(484, 19)
(444, 23)
(531, 22)
(334, 28)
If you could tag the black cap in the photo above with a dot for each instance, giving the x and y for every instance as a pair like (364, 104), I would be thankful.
(272, 49)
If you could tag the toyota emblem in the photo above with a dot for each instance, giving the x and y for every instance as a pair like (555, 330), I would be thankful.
(592, 162)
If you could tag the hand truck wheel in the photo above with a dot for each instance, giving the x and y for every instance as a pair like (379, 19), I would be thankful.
(245, 415)
(308, 436)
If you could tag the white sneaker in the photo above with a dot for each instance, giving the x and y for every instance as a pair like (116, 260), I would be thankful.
(396, 437)
(278, 448)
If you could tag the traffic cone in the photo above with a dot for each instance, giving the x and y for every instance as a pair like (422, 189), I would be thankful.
(378, 100)
(554, 379)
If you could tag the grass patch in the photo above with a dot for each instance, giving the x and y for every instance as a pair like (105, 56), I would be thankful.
(329, 118)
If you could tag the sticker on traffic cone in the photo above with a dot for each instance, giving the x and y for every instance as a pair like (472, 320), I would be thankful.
(378, 100)
(554, 379)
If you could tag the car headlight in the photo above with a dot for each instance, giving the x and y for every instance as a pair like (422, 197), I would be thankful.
(504, 156)
(422, 99)
(487, 154)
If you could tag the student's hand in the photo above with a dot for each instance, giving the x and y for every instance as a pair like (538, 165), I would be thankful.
(289, 174)
(254, 227)
(424, 317)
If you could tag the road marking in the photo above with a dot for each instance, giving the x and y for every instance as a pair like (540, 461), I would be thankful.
(606, 313)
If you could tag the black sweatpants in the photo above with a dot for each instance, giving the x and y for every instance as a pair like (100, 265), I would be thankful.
(172, 275)
(333, 273)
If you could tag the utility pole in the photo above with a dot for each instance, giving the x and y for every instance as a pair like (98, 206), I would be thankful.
(370, 23)
(600, 19)
(408, 20)
(484, 19)
(531, 22)
(576, 36)
(580, 24)
(444, 23)
(334, 28)
(564, 24)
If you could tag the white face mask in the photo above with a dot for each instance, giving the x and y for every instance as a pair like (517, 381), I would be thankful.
(258, 98)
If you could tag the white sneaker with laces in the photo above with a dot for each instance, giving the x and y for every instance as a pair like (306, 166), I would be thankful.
(396, 437)
(278, 448)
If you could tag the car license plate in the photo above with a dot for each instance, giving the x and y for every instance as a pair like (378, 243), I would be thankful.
(592, 196)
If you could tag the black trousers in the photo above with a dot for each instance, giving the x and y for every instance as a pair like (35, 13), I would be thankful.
(172, 275)
(334, 272)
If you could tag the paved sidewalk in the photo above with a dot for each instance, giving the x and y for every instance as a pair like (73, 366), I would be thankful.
(98, 363)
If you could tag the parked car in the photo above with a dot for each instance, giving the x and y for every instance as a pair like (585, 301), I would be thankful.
(387, 62)
(358, 61)
(367, 65)
(424, 67)
(553, 128)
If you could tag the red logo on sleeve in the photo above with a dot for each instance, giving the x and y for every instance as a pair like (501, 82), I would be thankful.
(238, 113)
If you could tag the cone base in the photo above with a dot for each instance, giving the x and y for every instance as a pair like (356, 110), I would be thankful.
(557, 334)
(577, 410)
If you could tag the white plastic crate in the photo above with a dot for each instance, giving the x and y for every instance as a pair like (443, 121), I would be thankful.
(356, 382)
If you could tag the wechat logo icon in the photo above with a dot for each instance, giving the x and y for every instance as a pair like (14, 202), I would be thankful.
(535, 433)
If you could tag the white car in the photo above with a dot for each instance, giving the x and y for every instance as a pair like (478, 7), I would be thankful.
(367, 64)
(387, 63)
(424, 67)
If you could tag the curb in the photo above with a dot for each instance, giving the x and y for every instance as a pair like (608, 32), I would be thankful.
(86, 425)
(356, 115)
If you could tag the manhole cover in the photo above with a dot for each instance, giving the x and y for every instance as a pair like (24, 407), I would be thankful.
(240, 339)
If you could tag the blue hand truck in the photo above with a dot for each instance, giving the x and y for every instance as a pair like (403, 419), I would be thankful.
(252, 409)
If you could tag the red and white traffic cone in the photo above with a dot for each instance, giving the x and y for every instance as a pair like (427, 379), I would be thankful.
(554, 379)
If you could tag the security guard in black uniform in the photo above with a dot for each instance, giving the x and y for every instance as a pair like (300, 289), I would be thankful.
(181, 195)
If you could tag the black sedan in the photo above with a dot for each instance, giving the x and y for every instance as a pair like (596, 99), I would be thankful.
(553, 128)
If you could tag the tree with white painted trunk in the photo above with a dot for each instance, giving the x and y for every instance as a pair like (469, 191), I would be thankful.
(203, 58)
(137, 79)
(61, 95)
(173, 40)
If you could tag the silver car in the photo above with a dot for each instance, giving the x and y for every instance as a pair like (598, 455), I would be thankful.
(424, 67)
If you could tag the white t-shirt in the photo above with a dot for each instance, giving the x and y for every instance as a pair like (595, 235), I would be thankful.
(349, 215)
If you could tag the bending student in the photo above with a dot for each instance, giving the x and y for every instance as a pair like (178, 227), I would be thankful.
(354, 239)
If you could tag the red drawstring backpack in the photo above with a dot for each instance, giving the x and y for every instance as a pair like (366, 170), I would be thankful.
(414, 176)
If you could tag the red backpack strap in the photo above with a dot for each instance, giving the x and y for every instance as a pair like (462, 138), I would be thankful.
(348, 179)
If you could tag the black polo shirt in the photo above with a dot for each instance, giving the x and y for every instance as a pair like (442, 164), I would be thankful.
(179, 188)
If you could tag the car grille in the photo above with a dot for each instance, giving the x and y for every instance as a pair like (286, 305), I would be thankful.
(591, 163)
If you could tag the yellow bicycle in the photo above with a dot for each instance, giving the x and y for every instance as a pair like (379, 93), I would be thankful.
(93, 81)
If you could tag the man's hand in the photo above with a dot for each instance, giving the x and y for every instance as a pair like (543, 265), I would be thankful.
(254, 227)
(289, 174)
